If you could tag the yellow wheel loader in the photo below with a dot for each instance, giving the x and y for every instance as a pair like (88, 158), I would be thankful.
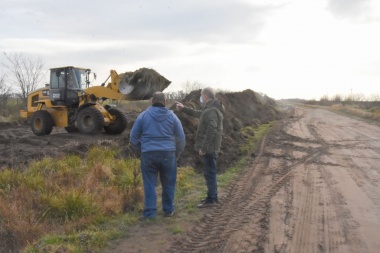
(68, 101)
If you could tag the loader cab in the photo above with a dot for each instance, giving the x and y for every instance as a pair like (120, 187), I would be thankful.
(66, 83)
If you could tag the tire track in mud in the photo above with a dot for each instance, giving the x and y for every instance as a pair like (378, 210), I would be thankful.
(216, 226)
(221, 221)
(286, 201)
(335, 218)
(240, 223)
(323, 213)
(321, 221)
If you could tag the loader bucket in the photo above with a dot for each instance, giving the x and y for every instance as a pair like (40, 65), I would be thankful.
(142, 83)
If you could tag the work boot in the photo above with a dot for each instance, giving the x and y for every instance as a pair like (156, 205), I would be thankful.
(207, 203)
(205, 199)
(167, 215)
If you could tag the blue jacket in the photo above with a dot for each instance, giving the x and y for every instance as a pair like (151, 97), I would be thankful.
(158, 129)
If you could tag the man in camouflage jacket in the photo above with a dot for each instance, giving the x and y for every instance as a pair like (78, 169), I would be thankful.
(208, 139)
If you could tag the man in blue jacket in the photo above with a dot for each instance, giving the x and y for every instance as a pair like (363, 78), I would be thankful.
(158, 135)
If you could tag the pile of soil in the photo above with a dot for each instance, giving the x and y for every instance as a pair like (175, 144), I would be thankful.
(19, 146)
(246, 108)
(144, 82)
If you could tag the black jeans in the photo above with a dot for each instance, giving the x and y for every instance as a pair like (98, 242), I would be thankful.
(209, 172)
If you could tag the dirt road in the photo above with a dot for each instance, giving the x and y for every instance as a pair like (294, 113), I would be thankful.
(313, 187)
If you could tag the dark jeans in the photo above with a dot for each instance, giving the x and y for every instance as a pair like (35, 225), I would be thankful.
(209, 172)
(163, 163)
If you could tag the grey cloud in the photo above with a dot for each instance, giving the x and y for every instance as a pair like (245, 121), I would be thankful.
(117, 55)
(356, 10)
(102, 60)
(196, 20)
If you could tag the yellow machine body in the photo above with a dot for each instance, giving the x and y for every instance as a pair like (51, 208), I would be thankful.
(69, 102)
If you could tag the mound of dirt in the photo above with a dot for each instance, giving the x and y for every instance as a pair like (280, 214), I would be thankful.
(19, 146)
(246, 108)
(144, 83)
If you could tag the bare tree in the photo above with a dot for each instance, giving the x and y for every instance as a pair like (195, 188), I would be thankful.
(25, 72)
(356, 97)
(175, 95)
(189, 87)
(5, 91)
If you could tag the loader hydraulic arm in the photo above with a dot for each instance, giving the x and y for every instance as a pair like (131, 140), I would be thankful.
(110, 91)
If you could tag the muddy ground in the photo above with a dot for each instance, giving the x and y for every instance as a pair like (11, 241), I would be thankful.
(19, 146)
(313, 187)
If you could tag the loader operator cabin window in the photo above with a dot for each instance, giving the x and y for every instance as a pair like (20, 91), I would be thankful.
(81, 78)
(72, 82)
(57, 79)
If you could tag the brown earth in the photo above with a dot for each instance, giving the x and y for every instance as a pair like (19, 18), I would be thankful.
(19, 146)
(313, 187)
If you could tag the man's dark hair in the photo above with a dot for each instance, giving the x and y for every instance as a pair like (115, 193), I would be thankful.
(158, 98)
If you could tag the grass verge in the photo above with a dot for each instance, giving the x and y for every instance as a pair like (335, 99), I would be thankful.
(72, 205)
(254, 135)
(370, 114)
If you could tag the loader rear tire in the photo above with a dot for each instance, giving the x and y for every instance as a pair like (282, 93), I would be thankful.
(90, 121)
(41, 123)
(119, 124)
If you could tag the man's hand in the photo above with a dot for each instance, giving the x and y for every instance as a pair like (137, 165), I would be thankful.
(201, 152)
(179, 106)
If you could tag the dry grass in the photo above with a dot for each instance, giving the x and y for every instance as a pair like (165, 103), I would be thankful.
(72, 205)
(356, 105)
(253, 135)
(372, 113)
(79, 205)
(68, 194)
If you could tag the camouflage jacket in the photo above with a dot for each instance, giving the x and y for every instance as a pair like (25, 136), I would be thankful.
(210, 127)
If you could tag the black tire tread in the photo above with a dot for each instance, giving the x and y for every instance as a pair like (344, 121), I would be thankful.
(46, 120)
(119, 124)
(97, 117)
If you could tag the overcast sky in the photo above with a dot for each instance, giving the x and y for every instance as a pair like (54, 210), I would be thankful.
(283, 48)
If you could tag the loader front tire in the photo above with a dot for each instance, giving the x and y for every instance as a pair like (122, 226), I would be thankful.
(90, 121)
(41, 123)
(119, 124)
